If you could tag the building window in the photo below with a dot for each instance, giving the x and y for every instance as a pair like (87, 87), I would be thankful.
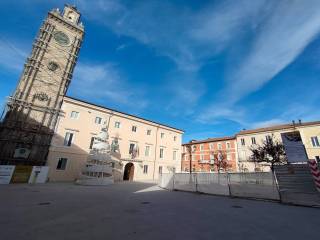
(113, 164)
(131, 148)
(161, 152)
(160, 169)
(175, 138)
(201, 157)
(219, 146)
(201, 147)
(243, 143)
(315, 141)
(268, 138)
(68, 139)
(253, 140)
(174, 155)
(194, 148)
(62, 163)
(117, 124)
(147, 151)
(193, 157)
(91, 142)
(211, 146)
(134, 128)
(228, 156)
(74, 115)
(98, 120)
(242, 155)
(145, 169)
(228, 145)
(148, 132)
(162, 135)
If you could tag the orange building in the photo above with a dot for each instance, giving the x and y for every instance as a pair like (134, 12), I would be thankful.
(210, 155)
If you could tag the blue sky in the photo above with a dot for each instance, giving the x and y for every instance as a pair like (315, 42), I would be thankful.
(211, 68)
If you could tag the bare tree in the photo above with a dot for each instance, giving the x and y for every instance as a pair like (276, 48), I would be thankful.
(271, 151)
(220, 160)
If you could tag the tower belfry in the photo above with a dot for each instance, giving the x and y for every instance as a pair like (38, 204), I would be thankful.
(32, 111)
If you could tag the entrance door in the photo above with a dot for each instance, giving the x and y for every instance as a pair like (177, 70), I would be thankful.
(128, 172)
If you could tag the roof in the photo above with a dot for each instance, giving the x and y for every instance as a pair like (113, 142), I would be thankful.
(217, 139)
(257, 130)
(278, 127)
(113, 110)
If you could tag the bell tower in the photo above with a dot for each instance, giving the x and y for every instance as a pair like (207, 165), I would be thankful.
(32, 111)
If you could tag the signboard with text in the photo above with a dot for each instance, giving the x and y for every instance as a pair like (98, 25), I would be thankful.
(6, 172)
(39, 174)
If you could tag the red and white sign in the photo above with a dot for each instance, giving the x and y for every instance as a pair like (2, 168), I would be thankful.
(315, 172)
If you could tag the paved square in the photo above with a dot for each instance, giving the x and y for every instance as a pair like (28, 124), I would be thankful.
(143, 211)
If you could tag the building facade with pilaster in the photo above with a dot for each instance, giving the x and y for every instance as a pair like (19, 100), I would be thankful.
(210, 154)
(146, 148)
(308, 131)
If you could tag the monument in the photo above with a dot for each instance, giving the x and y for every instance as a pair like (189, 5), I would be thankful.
(104, 162)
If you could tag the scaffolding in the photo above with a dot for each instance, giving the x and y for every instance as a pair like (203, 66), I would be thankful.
(31, 113)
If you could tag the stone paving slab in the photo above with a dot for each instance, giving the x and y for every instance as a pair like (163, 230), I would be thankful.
(144, 211)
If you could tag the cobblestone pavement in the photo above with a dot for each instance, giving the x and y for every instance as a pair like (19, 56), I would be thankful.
(143, 211)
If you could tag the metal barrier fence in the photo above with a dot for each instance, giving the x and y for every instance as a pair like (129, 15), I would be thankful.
(250, 185)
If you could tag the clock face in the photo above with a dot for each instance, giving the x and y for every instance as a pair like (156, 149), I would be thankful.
(61, 38)
(53, 66)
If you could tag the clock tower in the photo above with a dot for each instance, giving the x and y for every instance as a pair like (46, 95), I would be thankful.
(32, 111)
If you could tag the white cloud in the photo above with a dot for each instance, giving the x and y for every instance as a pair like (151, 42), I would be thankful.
(294, 111)
(221, 112)
(188, 37)
(122, 47)
(267, 123)
(201, 135)
(284, 35)
(105, 82)
(12, 57)
(288, 28)
(217, 25)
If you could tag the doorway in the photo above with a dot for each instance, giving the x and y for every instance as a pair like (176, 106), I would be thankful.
(128, 172)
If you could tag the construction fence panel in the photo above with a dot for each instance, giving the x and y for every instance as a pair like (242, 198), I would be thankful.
(296, 185)
(253, 185)
(213, 183)
(185, 182)
(166, 181)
